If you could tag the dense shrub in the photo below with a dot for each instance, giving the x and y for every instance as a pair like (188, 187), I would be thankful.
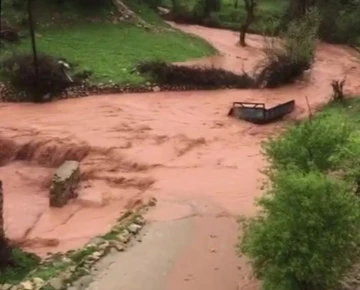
(153, 3)
(20, 71)
(201, 14)
(85, 4)
(181, 14)
(312, 144)
(347, 161)
(340, 20)
(347, 28)
(307, 235)
(278, 70)
(7, 32)
(200, 77)
(21, 263)
(285, 64)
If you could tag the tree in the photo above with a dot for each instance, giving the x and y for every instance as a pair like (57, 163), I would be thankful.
(33, 43)
(250, 6)
(307, 236)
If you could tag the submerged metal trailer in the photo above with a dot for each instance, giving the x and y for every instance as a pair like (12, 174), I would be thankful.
(257, 113)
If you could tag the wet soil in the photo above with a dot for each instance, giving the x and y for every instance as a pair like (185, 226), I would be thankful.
(179, 147)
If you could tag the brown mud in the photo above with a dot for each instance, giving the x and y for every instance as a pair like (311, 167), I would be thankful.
(179, 147)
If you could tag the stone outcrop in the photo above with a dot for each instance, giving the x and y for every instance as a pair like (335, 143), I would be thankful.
(64, 183)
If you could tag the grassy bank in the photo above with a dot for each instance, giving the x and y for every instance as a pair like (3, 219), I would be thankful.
(23, 263)
(110, 51)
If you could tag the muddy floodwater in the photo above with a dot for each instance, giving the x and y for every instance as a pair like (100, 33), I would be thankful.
(179, 147)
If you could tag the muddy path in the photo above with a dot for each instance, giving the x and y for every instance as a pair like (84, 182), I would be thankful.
(181, 148)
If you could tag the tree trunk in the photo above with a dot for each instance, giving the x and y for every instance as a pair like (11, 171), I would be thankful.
(250, 6)
(243, 35)
(2, 225)
(5, 250)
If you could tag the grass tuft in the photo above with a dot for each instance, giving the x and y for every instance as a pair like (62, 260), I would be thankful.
(23, 263)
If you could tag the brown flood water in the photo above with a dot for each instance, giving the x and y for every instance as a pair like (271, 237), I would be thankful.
(179, 147)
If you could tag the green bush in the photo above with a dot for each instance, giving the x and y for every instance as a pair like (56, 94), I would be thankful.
(307, 236)
(196, 77)
(301, 37)
(283, 65)
(87, 3)
(346, 161)
(49, 80)
(310, 144)
(348, 25)
(21, 264)
(339, 19)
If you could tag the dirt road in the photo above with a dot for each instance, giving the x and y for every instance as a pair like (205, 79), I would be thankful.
(179, 147)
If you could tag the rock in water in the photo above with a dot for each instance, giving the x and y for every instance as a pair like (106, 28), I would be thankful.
(64, 183)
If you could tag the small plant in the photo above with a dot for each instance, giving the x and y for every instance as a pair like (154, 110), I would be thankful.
(338, 90)
(307, 235)
(199, 77)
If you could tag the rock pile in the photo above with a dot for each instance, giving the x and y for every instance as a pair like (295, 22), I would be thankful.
(77, 265)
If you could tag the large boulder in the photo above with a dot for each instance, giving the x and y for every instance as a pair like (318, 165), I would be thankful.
(64, 183)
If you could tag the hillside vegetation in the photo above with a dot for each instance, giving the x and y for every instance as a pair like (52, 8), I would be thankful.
(102, 40)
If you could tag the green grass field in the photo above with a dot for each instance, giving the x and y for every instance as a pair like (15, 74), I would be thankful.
(110, 51)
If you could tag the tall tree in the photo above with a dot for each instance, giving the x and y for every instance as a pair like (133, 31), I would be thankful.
(250, 6)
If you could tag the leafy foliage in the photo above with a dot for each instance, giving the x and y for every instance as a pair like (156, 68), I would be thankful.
(282, 65)
(278, 70)
(21, 264)
(310, 144)
(301, 35)
(201, 14)
(50, 79)
(347, 161)
(307, 235)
